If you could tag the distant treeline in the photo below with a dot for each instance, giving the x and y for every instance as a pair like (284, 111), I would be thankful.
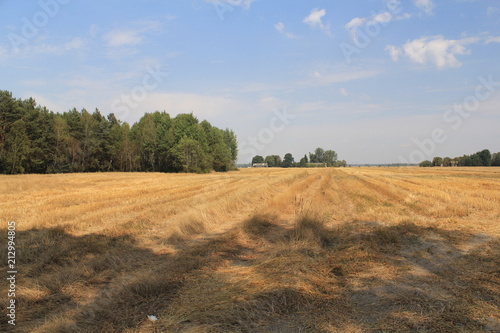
(481, 158)
(319, 157)
(36, 140)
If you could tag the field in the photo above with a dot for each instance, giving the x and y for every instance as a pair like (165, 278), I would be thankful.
(256, 250)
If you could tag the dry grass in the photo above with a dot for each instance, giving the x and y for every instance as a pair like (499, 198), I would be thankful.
(324, 250)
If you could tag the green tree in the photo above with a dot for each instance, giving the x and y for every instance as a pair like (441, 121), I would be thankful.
(221, 158)
(303, 162)
(164, 140)
(62, 140)
(330, 158)
(144, 135)
(40, 130)
(317, 156)
(128, 153)
(188, 155)
(232, 143)
(465, 161)
(476, 160)
(288, 161)
(425, 164)
(257, 159)
(75, 131)
(17, 147)
(495, 160)
(277, 161)
(270, 161)
(447, 162)
(437, 161)
(485, 157)
(74, 141)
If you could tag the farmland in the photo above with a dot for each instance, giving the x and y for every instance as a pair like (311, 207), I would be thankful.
(256, 250)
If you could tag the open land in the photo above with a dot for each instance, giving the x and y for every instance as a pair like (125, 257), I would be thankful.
(256, 250)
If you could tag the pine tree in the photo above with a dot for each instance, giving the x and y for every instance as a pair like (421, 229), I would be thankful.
(17, 147)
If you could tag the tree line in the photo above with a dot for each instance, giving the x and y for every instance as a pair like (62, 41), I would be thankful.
(320, 156)
(481, 158)
(36, 140)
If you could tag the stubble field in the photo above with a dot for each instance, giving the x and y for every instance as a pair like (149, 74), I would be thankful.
(256, 250)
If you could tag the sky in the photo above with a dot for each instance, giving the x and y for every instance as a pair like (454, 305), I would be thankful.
(378, 81)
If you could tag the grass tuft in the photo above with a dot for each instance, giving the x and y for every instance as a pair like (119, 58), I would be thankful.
(258, 225)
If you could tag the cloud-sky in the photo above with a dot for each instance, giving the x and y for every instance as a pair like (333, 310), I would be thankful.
(235, 62)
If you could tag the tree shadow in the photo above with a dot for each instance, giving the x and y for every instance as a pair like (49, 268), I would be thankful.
(261, 277)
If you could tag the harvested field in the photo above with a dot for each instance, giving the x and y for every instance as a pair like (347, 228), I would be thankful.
(256, 250)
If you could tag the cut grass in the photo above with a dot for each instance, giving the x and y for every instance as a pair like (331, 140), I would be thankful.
(257, 251)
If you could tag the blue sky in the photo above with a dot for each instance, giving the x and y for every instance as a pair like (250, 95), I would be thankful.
(377, 81)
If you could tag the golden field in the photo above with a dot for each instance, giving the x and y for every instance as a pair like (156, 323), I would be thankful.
(256, 250)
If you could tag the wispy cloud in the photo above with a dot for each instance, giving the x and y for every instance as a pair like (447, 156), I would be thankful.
(130, 36)
(280, 27)
(383, 19)
(328, 77)
(426, 6)
(123, 38)
(234, 3)
(3, 52)
(315, 20)
(394, 52)
(434, 50)
(492, 39)
(40, 47)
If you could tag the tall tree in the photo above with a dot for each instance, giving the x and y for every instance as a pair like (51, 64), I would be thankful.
(330, 158)
(270, 161)
(303, 162)
(495, 161)
(232, 143)
(257, 159)
(437, 161)
(188, 155)
(485, 157)
(144, 134)
(17, 147)
(288, 161)
(425, 164)
(62, 142)
(34, 139)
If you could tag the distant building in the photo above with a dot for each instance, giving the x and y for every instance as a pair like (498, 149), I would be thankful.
(260, 165)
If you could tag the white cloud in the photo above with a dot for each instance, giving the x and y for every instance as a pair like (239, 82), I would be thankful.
(123, 38)
(52, 49)
(433, 50)
(332, 77)
(355, 23)
(280, 27)
(131, 36)
(3, 52)
(234, 3)
(383, 19)
(493, 39)
(344, 92)
(74, 44)
(394, 52)
(315, 20)
(427, 6)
